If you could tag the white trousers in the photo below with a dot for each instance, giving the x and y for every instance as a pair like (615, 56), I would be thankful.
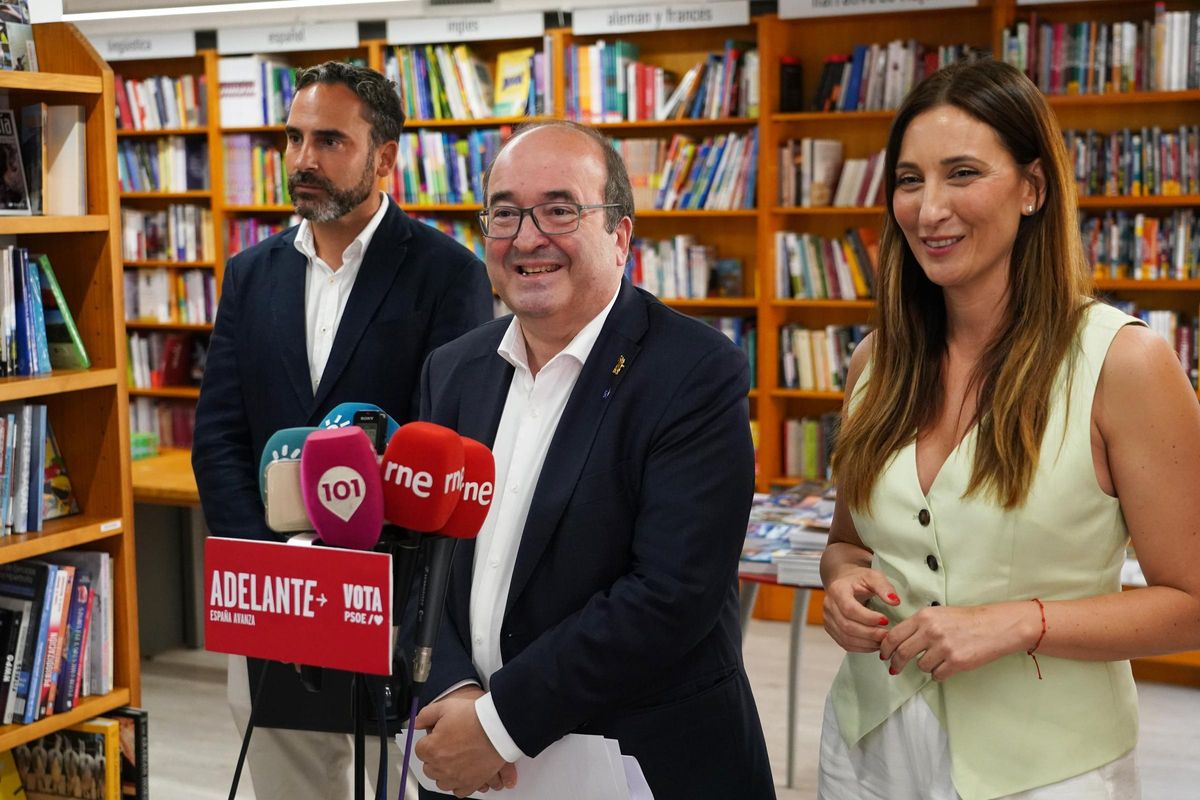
(305, 765)
(908, 758)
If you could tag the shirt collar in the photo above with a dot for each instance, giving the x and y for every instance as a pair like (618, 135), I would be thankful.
(512, 346)
(306, 245)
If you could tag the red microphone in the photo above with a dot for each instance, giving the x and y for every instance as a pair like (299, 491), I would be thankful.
(422, 472)
(339, 481)
(479, 468)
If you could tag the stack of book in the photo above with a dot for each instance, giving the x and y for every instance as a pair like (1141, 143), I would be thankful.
(787, 533)
(161, 102)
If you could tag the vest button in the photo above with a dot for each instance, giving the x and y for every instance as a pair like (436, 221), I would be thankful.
(932, 562)
(923, 516)
(934, 603)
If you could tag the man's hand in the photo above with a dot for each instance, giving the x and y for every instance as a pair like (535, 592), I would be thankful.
(457, 753)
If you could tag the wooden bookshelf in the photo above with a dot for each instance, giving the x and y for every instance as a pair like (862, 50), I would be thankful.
(87, 409)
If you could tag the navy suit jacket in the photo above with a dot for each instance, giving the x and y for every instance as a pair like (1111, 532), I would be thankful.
(621, 618)
(416, 289)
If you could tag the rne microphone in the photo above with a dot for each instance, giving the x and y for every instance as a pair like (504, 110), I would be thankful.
(339, 481)
(479, 478)
(279, 480)
(422, 472)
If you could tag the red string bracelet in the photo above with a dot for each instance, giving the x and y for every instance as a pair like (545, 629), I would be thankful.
(1038, 643)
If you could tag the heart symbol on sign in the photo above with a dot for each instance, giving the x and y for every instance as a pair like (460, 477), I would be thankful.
(377, 619)
(340, 491)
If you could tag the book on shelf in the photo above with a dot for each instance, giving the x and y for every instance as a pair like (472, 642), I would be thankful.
(514, 82)
(14, 191)
(83, 760)
(135, 751)
(170, 296)
(65, 189)
(66, 349)
(33, 581)
(58, 497)
(94, 668)
(817, 359)
(811, 267)
(19, 612)
(255, 89)
(31, 130)
(161, 101)
(17, 48)
(170, 423)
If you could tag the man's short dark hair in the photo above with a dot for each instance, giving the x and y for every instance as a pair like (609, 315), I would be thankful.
(617, 189)
(383, 107)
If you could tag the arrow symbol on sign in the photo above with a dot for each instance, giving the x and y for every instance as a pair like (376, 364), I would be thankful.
(321, 600)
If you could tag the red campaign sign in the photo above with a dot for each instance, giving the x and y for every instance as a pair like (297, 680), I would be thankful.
(321, 606)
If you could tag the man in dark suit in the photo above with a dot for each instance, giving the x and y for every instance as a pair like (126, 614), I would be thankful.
(601, 594)
(344, 307)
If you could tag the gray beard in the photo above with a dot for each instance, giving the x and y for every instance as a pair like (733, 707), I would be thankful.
(337, 202)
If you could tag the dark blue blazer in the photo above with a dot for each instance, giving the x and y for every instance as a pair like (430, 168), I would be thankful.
(622, 618)
(416, 289)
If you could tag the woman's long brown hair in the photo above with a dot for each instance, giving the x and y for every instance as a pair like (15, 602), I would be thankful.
(1049, 283)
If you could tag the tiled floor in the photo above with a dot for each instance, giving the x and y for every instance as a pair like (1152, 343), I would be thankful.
(193, 745)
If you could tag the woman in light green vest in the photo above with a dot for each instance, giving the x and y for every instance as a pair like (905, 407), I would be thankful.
(1003, 437)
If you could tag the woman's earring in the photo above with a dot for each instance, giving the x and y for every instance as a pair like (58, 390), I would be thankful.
(1029, 208)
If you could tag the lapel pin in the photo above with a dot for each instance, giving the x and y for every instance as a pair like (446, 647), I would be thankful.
(620, 365)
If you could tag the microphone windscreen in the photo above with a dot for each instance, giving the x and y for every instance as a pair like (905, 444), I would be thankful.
(422, 473)
(284, 445)
(339, 480)
(479, 479)
(284, 501)
(342, 416)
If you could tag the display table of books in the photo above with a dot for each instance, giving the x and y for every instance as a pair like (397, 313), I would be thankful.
(785, 537)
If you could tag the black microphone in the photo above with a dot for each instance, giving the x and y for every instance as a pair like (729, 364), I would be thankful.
(479, 475)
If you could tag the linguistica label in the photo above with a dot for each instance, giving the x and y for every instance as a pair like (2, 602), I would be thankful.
(800, 9)
(284, 38)
(630, 19)
(167, 44)
(431, 30)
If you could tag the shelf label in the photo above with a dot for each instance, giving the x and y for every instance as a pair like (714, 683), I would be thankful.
(799, 9)
(111, 525)
(433, 30)
(162, 44)
(284, 38)
(629, 19)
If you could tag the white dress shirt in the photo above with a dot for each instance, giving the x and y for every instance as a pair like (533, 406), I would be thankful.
(326, 290)
(531, 415)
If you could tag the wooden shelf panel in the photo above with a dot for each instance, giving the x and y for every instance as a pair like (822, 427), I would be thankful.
(166, 478)
(191, 194)
(272, 209)
(833, 117)
(676, 124)
(1123, 98)
(1129, 285)
(157, 264)
(807, 394)
(22, 388)
(86, 223)
(148, 325)
(59, 534)
(823, 211)
(1179, 668)
(253, 129)
(702, 304)
(865, 305)
(486, 122)
(441, 208)
(172, 392)
(658, 213)
(1155, 201)
(88, 707)
(121, 134)
(47, 82)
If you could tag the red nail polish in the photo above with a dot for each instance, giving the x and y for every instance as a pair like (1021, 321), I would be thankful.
(893, 597)
(882, 657)
(893, 671)
(883, 620)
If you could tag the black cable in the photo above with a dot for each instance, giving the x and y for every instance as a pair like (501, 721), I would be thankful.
(237, 773)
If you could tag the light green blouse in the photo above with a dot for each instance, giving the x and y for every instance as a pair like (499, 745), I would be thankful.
(1008, 731)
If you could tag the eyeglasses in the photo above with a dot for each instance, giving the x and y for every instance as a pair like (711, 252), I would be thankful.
(552, 219)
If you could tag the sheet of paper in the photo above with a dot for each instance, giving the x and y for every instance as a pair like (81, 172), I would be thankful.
(576, 766)
(639, 789)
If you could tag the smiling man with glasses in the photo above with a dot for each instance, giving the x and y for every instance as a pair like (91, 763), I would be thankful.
(600, 596)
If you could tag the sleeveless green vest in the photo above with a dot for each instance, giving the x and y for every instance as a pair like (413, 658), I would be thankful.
(1008, 731)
